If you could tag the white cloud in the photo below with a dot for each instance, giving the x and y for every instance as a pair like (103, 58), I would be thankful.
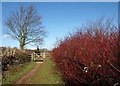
(33, 48)
(5, 36)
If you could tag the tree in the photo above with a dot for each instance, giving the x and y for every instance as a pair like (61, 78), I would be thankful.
(25, 26)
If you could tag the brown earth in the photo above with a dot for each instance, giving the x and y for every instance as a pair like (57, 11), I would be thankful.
(24, 78)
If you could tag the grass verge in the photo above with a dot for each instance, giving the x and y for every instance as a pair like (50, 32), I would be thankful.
(15, 73)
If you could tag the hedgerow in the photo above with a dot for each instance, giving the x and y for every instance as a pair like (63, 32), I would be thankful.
(12, 57)
(91, 56)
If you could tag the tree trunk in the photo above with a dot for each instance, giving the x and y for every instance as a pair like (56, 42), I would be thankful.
(21, 46)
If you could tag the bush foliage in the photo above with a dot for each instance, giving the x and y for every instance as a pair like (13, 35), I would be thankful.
(90, 57)
(13, 56)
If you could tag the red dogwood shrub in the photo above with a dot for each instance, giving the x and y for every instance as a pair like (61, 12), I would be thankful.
(89, 58)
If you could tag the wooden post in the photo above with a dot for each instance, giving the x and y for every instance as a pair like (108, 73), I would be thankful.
(43, 56)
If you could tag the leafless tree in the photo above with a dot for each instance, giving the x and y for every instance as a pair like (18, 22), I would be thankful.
(25, 26)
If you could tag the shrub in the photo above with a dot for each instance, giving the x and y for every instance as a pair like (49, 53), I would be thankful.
(91, 57)
(13, 56)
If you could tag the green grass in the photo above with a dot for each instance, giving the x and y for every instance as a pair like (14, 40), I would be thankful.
(15, 73)
(46, 74)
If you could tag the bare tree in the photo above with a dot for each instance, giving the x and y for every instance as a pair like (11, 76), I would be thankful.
(25, 26)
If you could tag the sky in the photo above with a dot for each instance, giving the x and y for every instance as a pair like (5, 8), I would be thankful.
(60, 0)
(59, 18)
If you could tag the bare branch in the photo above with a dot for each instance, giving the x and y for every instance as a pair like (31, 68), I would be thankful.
(25, 26)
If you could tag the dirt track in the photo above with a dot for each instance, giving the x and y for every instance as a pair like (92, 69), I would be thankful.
(24, 78)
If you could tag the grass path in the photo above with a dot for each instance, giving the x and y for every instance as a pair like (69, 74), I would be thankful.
(42, 73)
(23, 79)
(14, 74)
